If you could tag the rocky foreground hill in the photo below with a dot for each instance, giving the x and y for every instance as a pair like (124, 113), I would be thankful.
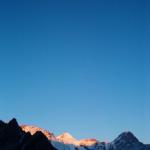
(15, 137)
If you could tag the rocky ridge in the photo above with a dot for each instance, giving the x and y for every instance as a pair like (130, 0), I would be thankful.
(15, 137)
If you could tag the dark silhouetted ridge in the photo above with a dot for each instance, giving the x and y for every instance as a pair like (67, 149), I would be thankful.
(12, 137)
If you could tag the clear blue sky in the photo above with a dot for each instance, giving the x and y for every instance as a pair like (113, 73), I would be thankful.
(80, 66)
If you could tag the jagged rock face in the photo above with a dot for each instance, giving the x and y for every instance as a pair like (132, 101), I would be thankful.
(34, 129)
(12, 137)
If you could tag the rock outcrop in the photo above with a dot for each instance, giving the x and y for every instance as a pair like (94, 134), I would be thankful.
(12, 137)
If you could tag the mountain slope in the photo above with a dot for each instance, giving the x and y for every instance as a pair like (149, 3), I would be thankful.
(33, 129)
(67, 138)
(12, 137)
(15, 137)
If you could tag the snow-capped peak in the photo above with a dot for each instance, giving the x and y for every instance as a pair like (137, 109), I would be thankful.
(67, 138)
(66, 135)
(33, 129)
(88, 142)
(66, 141)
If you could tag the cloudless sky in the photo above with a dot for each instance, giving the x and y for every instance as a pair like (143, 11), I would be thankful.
(80, 66)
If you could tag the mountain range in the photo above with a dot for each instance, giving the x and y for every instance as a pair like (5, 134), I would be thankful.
(26, 137)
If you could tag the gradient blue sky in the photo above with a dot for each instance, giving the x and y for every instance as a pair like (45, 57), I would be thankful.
(80, 66)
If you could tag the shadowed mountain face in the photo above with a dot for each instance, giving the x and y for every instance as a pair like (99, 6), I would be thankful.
(127, 141)
(15, 137)
(12, 137)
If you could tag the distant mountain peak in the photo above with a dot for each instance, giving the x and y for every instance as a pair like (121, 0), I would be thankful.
(67, 138)
(88, 142)
(66, 135)
(127, 141)
(33, 129)
(15, 137)
(128, 136)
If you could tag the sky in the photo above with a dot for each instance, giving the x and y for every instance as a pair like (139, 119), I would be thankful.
(78, 66)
